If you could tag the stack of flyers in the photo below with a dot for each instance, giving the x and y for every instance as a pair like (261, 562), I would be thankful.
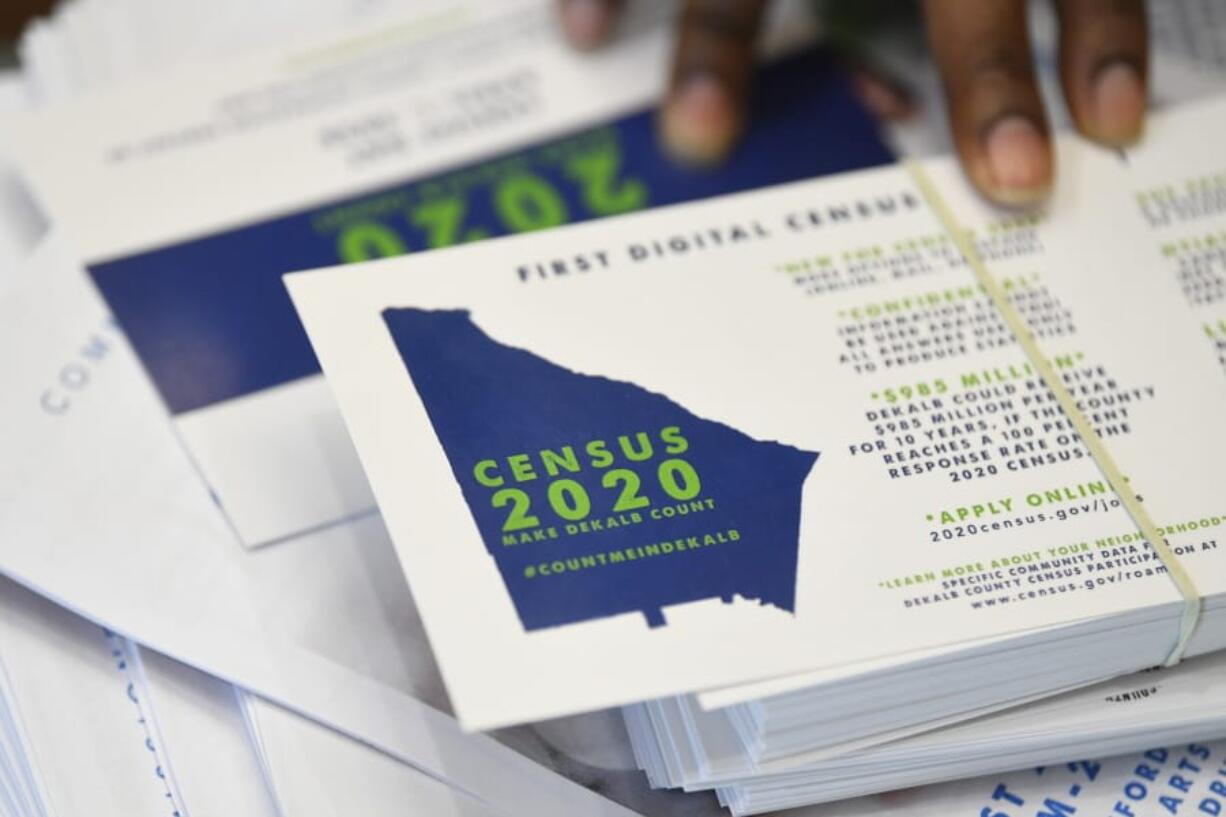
(780, 452)
(680, 745)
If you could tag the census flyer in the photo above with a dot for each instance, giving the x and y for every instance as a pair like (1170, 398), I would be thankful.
(782, 430)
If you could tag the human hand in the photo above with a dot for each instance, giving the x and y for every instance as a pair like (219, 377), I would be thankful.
(982, 50)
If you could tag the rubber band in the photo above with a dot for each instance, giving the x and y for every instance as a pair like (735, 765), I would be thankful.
(1098, 451)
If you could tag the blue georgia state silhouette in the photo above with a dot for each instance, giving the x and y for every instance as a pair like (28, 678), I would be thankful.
(495, 409)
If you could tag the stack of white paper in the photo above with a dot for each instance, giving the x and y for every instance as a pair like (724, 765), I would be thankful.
(680, 745)
(186, 194)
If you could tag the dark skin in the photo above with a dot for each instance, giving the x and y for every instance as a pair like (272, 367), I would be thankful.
(980, 46)
(16, 14)
(982, 50)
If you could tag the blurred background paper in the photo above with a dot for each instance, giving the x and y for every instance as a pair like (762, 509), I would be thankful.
(390, 150)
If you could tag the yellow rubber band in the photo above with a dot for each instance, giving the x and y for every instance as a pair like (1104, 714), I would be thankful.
(1098, 451)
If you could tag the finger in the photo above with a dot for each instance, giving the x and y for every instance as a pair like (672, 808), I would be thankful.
(588, 24)
(712, 71)
(999, 127)
(1104, 66)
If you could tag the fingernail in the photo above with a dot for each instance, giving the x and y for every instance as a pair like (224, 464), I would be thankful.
(585, 23)
(886, 100)
(1118, 102)
(1019, 161)
(700, 121)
